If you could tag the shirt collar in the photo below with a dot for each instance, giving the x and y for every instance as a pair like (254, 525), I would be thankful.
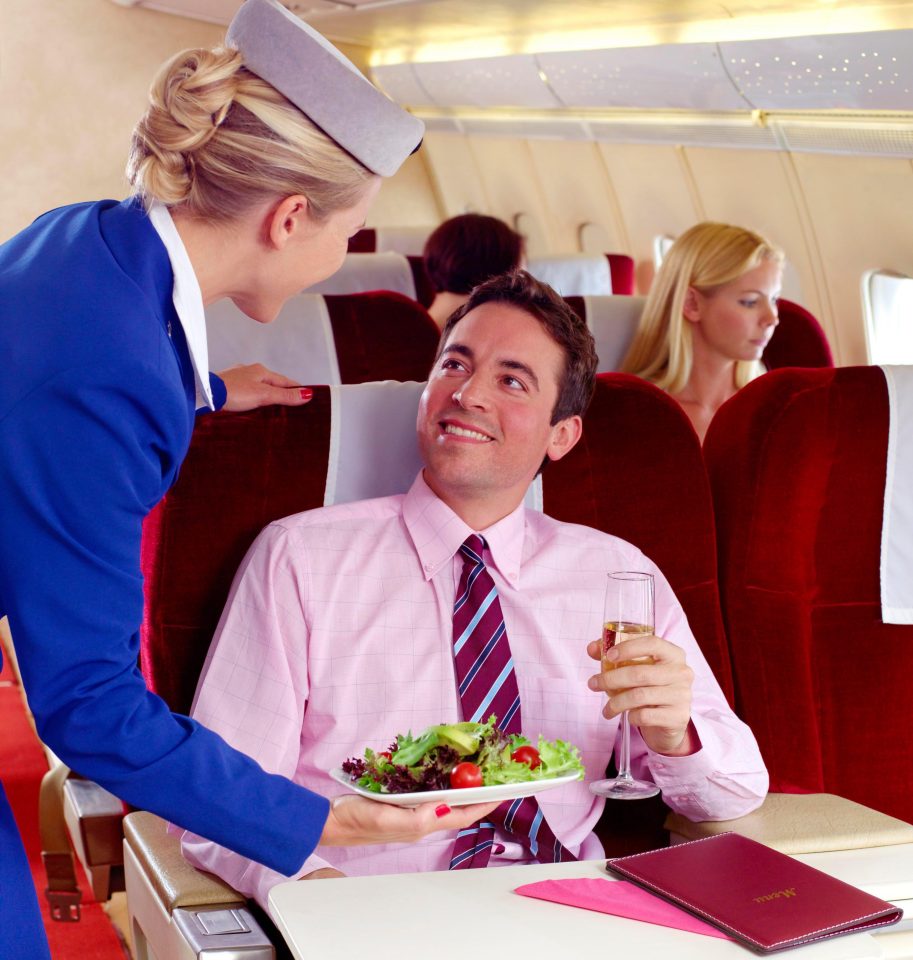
(188, 300)
(437, 533)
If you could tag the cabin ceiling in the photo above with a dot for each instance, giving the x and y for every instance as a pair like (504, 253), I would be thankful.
(410, 30)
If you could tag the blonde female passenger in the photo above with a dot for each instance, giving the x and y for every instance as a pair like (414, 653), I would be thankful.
(711, 312)
(252, 166)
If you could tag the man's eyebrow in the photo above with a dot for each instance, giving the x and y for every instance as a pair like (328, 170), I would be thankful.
(521, 368)
(461, 348)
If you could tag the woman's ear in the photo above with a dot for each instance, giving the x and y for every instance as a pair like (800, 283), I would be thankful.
(691, 308)
(285, 219)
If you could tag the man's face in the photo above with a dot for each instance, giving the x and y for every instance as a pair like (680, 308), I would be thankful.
(484, 418)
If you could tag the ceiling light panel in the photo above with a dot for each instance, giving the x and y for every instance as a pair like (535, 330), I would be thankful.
(399, 82)
(514, 81)
(687, 76)
(854, 71)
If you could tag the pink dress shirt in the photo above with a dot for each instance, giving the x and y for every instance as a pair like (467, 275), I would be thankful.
(337, 636)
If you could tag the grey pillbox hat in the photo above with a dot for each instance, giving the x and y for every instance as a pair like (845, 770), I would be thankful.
(327, 88)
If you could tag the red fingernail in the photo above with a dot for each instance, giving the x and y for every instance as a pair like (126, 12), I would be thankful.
(442, 810)
(307, 393)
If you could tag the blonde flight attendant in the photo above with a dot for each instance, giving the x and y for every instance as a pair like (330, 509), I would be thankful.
(711, 311)
(251, 168)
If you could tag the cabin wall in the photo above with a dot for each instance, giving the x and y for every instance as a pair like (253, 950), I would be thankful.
(835, 216)
(74, 77)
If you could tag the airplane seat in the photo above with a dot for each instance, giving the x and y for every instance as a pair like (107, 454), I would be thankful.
(350, 338)
(409, 241)
(424, 288)
(363, 272)
(613, 322)
(622, 269)
(381, 336)
(798, 340)
(797, 463)
(574, 274)
(363, 241)
(242, 471)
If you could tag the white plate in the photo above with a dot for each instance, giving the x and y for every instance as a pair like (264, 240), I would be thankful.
(457, 798)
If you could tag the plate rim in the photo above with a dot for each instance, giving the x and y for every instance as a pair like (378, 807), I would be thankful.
(451, 794)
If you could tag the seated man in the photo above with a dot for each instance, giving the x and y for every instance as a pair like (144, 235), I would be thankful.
(350, 624)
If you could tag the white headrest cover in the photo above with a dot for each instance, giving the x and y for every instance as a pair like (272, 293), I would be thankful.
(362, 272)
(574, 275)
(298, 343)
(613, 323)
(897, 522)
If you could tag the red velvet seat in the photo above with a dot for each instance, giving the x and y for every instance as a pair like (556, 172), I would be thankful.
(622, 267)
(382, 336)
(798, 340)
(332, 339)
(797, 467)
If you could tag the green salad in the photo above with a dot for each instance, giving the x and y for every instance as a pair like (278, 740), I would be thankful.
(460, 755)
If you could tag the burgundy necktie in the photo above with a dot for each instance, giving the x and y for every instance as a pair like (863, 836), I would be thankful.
(488, 685)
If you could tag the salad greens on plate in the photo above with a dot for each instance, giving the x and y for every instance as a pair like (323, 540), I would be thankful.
(456, 755)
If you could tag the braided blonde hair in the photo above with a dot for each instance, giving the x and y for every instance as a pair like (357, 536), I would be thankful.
(216, 140)
(705, 257)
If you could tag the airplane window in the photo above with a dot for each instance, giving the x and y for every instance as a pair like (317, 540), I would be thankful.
(887, 299)
(661, 246)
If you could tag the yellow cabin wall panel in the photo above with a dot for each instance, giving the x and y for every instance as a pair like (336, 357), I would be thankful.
(407, 199)
(752, 189)
(513, 189)
(860, 208)
(454, 174)
(576, 187)
(99, 60)
(654, 197)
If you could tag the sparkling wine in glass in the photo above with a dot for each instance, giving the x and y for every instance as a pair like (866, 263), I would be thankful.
(628, 614)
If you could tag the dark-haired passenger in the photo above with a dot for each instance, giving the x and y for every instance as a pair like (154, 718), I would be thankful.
(342, 627)
(465, 251)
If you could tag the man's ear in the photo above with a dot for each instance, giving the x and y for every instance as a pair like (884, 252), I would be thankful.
(288, 217)
(691, 308)
(565, 434)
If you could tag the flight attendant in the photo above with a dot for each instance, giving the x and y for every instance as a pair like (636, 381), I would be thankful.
(250, 170)
(711, 311)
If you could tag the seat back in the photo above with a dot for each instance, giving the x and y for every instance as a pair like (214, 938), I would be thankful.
(334, 339)
(637, 472)
(575, 274)
(797, 467)
(243, 471)
(362, 272)
(623, 273)
(613, 322)
(798, 340)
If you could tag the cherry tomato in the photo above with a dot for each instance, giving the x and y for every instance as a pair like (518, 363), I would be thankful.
(528, 755)
(465, 775)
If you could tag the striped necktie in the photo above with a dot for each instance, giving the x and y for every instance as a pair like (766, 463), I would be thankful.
(488, 685)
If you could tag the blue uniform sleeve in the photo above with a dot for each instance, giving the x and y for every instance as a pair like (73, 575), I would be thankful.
(82, 460)
(219, 390)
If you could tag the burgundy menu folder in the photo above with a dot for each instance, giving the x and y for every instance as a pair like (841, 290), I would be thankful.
(763, 898)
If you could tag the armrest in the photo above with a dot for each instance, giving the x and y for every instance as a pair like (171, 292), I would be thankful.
(175, 881)
(803, 823)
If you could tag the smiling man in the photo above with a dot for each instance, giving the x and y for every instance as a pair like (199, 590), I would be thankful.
(350, 624)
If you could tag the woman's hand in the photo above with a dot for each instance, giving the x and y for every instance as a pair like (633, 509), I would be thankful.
(354, 821)
(252, 386)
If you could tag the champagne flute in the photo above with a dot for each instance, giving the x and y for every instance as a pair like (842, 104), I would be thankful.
(628, 614)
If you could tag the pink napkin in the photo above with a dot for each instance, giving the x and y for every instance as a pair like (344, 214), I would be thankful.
(621, 899)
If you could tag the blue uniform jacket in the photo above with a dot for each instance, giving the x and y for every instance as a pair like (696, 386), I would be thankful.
(96, 412)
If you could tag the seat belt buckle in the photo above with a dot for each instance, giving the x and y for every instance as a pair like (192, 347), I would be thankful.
(64, 905)
(62, 894)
